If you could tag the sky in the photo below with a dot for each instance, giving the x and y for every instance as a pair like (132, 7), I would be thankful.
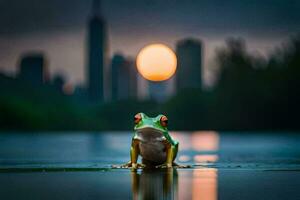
(58, 28)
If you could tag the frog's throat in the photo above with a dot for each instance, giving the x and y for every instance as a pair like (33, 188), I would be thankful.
(149, 133)
(149, 128)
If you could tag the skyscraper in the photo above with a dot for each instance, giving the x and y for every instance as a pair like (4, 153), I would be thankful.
(189, 56)
(124, 78)
(97, 54)
(133, 91)
(117, 62)
(32, 69)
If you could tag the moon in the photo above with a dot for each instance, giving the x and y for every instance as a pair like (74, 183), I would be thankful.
(156, 62)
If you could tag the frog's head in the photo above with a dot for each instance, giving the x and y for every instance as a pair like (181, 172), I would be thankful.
(157, 124)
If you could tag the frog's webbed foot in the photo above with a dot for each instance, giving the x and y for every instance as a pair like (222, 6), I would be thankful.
(140, 166)
(132, 166)
(163, 166)
(181, 166)
(175, 165)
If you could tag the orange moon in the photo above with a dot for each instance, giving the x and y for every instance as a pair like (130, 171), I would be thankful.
(156, 62)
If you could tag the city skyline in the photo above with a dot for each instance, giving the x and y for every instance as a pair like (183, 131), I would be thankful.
(264, 90)
(157, 22)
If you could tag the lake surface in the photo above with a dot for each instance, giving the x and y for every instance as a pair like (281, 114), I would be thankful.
(77, 165)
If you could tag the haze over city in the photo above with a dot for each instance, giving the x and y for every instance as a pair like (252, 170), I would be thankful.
(59, 28)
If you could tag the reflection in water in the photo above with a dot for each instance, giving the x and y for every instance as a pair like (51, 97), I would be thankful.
(206, 144)
(205, 184)
(154, 184)
(201, 184)
(184, 158)
(205, 158)
(198, 140)
(166, 184)
(205, 180)
(183, 138)
(205, 141)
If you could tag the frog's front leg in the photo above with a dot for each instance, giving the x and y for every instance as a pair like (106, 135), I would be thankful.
(134, 153)
(171, 151)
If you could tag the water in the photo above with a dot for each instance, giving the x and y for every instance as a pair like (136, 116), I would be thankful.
(78, 166)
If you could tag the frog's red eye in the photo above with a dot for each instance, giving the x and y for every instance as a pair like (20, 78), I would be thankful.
(164, 121)
(137, 118)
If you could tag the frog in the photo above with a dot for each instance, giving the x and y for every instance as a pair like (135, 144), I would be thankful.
(151, 140)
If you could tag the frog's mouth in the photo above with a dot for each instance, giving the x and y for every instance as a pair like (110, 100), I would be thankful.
(149, 133)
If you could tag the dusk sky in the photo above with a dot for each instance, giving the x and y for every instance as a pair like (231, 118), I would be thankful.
(58, 28)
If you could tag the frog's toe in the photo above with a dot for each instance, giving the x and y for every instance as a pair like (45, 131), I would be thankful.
(163, 166)
(141, 166)
(176, 165)
(183, 166)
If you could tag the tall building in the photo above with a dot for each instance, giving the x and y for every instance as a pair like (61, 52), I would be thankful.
(116, 63)
(189, 56)
(123, 78)
(97, 54)
(32, 69)
(131, 65)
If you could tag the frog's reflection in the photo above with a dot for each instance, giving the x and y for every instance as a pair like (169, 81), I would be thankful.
(154, 184)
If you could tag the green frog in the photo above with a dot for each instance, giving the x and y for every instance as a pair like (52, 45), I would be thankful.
(151, 140)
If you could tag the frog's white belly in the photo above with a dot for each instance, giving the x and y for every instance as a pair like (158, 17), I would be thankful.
(153, 151)
(151, 145)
